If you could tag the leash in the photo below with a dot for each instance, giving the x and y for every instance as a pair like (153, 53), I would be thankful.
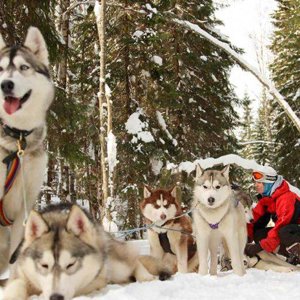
(125, 233)
(20, 155)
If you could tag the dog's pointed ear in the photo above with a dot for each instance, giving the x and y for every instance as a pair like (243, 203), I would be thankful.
(36, 43)
(199, 171)
(147, 191)
(78, 222)
(2, 43)
(173, 191)
(225, 172)
(35, 226)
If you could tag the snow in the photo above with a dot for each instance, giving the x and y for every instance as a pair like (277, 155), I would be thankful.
(228, 159)
(97, 9)
(136, 127)
(163, 126)
(256, 284)
(156, 165)
(109, 226)
(157, 59)
(203, 57)
(111, 152)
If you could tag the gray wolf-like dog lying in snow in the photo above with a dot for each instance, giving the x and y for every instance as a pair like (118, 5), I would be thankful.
(64, 254)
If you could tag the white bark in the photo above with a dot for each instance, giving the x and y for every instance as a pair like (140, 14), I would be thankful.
(100, 19)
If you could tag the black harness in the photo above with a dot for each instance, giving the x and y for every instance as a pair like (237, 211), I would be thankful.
(18, 135)
(165, 243)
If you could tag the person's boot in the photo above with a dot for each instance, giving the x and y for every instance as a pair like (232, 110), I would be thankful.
(294, 254)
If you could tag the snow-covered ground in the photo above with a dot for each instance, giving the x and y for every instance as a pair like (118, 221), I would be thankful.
(255, 284)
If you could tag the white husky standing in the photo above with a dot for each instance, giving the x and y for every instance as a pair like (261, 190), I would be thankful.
(218, 217)
(26, 93)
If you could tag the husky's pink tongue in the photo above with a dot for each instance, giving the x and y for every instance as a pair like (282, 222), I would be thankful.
(11, 104)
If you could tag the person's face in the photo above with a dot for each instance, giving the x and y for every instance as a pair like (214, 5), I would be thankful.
(259, 186)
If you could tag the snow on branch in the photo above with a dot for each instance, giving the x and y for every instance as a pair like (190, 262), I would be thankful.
(229, 159)
(267, 83)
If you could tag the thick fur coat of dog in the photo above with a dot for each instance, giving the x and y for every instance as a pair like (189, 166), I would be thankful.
(218, 218)
(25, 96)
(172, 239)
(64, 254)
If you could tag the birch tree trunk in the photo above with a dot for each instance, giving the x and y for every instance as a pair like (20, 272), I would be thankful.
(100, 19)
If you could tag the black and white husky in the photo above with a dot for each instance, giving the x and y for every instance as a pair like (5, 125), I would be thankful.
(26, 92)
(218, 218)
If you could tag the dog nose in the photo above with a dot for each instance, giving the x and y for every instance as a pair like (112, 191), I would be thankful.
(163, 216)
(57, 297)
(7, 86)
(211, 200)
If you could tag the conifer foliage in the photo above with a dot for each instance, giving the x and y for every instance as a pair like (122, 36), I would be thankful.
(171, 97)
(286, 76)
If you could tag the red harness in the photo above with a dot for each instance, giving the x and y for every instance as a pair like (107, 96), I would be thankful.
(12, 170)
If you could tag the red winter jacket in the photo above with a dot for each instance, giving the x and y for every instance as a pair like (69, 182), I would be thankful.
(282, 203)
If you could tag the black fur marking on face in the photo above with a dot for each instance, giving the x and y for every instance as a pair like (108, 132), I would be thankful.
(43, 70)
(12, 54)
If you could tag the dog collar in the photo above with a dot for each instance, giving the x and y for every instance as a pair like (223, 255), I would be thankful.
(16, 133)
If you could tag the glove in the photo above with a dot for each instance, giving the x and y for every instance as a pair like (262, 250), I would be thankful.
(252, 249)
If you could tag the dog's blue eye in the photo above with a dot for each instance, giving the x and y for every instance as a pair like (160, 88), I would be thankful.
(218, 187)
(24, 67)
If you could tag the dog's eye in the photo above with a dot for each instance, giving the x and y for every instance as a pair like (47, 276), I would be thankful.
(70, 265)
(45, 266)
(204, 186)
(1, 69)
(218, 187)
(24, 67)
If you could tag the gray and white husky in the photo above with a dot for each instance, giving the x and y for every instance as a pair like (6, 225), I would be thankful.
(26, 93)
(218, 218)
(65, 254)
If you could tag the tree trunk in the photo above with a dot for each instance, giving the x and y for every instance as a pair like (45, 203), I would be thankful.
(100, 18)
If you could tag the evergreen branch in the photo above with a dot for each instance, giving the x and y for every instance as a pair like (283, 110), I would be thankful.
(258, 142)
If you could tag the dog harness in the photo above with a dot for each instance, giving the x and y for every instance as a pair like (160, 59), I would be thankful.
(13, 163)
(165, 243)
(12, 170)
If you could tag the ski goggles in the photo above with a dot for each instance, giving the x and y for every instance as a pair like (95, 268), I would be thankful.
(261, 177)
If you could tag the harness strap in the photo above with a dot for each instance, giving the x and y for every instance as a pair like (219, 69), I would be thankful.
(165, 243)
(12, 170)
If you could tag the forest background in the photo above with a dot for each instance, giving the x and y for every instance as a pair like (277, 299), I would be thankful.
(168, 99)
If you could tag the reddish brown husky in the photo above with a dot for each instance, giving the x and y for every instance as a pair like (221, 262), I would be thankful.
(171, 240)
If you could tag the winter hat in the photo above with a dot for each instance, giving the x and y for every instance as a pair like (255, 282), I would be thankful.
(267, 175)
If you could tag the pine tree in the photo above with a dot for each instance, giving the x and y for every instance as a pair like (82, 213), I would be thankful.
(286, 75)
(265, 146)
(247, 129)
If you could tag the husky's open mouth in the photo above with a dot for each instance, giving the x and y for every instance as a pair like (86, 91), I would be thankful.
(12, 104)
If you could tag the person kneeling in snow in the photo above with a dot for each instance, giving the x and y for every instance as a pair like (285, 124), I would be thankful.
(279, 203)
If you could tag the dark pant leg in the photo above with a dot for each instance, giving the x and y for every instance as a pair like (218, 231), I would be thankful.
(260, 234)
(289, 234)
